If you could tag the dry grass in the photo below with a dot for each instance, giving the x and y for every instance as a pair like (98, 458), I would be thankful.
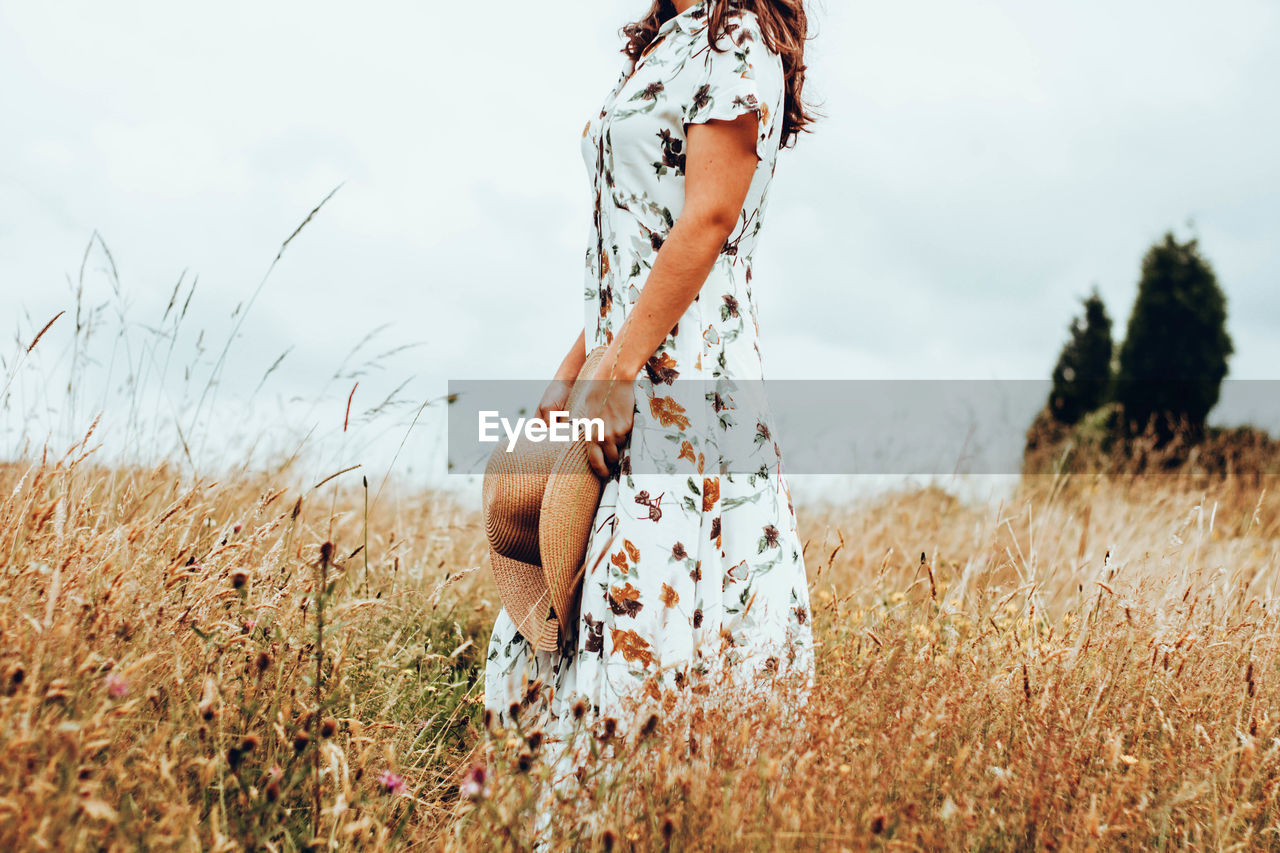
(184, 667)
(167, 682)
(263, 663)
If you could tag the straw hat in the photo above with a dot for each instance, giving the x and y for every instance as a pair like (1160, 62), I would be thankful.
(540, 499)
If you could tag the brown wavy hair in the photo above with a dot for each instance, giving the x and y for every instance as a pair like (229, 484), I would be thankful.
(785, 28)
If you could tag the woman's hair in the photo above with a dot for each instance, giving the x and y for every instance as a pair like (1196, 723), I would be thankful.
(785, 29)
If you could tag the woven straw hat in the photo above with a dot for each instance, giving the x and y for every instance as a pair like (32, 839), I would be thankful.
(540, 499)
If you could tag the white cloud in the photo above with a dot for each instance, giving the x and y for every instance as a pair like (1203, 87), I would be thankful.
(981, 166)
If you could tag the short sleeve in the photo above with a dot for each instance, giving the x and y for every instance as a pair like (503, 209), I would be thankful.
(739, 75)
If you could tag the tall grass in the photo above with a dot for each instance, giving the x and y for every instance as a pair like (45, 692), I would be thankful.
(203, 665)
(167, 372)
(1092, 667)
(192, 665)
(248, 657)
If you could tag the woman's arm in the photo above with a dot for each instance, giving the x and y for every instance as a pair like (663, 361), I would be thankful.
(719, 167)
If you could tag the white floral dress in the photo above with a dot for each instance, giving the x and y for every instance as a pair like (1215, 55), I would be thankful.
(692, 569)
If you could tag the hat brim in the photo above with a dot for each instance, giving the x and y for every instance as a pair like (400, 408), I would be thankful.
(569, 504)
(555, 482)
(527, 600)
(568, 512)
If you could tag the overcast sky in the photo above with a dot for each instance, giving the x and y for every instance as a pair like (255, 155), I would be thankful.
(981, 166)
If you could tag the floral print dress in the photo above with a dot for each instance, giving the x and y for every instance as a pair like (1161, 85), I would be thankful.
(693, 567)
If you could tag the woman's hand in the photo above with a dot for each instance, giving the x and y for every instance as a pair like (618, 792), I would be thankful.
(554, 399)
(612, 399)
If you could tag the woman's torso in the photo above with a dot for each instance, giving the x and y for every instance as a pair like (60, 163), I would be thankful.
(635, 149)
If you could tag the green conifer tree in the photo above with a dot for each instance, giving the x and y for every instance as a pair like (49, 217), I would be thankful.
(1176, 348)
(1082, 376)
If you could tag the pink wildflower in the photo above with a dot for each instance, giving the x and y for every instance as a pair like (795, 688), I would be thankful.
(117, 685)
(392, 783)
(475, 784)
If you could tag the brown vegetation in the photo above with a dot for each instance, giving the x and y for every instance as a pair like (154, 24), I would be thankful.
(1098, 445)
(196, 665)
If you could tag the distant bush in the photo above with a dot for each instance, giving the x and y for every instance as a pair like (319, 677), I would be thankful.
(1098, 444)
(1055, 447)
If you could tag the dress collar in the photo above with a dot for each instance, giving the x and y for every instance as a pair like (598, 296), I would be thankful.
(692, 20)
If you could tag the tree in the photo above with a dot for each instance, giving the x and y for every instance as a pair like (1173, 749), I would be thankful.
(1082, 376)
(1176, 348)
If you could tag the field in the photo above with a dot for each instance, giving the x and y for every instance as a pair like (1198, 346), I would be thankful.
(249, 664)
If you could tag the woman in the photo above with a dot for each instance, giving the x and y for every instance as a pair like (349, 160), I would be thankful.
(694, 568)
